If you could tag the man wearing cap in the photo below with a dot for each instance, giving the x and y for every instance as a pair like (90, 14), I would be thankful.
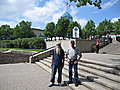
(73, 55)
(57, 63)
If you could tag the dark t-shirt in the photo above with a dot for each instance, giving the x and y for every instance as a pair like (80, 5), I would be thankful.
(57, 58)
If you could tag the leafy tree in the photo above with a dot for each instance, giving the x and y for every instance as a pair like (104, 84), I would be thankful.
(89, 28)
(62, 27)
(80, 3)
(105, 27)
(50, 30)
(71, 26)
(5, 32)
(23, 30)
(116, 26)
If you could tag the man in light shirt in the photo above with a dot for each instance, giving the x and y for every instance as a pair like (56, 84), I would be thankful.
(73, 55)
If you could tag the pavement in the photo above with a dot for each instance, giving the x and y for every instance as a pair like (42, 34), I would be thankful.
(106, 58)
(25, 77)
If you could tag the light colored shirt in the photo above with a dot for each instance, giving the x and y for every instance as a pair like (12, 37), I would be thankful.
(73, 52)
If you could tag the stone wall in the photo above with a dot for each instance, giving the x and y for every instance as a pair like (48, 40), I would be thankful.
(83, 45)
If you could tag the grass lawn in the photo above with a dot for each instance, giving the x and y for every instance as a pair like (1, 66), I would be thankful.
(37, 50)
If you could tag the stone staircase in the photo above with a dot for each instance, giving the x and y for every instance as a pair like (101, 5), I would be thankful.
(112, 48)
(92, 75)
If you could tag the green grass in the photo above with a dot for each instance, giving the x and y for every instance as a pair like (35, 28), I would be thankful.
(37, 50)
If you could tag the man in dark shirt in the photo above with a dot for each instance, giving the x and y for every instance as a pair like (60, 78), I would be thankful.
(57, 63)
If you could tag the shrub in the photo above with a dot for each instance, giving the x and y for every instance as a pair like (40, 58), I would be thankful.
(33, 43)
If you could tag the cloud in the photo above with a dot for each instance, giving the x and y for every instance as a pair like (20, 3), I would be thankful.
(74, 10)
(50, 11)
(14, 9)
(11, 23)
(81, 21)
(115, 19)
(109, 4)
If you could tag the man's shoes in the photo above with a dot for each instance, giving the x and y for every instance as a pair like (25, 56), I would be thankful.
(69, 82)
(51, 85)
(59, 84)
(76, 84)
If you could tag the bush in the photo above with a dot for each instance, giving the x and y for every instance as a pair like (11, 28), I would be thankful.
(32, 43)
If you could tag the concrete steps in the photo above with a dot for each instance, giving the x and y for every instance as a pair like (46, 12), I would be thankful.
(102, 68)
(64, 76)
(112, 48)
(85, 82)
(89, 80)
(102, 79)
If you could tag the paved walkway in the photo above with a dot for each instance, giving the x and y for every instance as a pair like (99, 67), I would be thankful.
(107, 58)
(25, 77)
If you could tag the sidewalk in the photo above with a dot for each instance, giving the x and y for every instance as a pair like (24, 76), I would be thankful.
(25, 77)
(106, 58)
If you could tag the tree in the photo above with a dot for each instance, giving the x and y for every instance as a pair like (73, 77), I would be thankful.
(50, 30)
(5, 32)
(71, 26)
(116, 26)
(80, 3)
(89, 28)
(23, 30)
(105, 27)
(62, 27)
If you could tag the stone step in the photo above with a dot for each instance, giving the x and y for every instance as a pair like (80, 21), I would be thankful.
(96, 63)
(100, 63)
(109, 76)
(72, 86)
(97, 72)
(102, 68)
(103, 81)
(110, 68)
(85, 82)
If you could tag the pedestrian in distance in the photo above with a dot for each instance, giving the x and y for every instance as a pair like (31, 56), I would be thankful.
(73, 55)
(57, 64)
(97, 43)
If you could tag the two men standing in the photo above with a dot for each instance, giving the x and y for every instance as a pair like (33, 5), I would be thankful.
(73, 55)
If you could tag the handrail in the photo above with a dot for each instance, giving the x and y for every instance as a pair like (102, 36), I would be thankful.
(43, 51)
(40, 55)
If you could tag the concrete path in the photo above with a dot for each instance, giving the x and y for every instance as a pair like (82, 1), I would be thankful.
(25, 77)
(106, 58)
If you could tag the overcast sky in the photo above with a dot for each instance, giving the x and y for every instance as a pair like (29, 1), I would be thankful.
(41, 12)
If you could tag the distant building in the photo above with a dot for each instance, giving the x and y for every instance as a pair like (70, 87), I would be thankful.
(38, 32)
(67, 15)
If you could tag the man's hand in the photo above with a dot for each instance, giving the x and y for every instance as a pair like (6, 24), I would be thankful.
(75, 62)
(62, 65)
(68, 60)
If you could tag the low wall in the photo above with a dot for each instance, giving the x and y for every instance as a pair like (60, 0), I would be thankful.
(83, 45)
(64, 43)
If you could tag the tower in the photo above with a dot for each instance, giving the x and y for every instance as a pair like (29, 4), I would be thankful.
(67, 15)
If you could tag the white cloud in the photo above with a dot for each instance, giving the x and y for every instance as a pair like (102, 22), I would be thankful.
(14, 9)
(109, 4)
(115, 19)
(11, 23)
(50, 11)
(81, 21)
(74, 10)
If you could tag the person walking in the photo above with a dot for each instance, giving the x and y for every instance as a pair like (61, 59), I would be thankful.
(57, 64)
(73, 55)
(97, 46)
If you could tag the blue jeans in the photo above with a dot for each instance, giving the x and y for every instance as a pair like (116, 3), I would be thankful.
(54, 70)
(71, 64)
